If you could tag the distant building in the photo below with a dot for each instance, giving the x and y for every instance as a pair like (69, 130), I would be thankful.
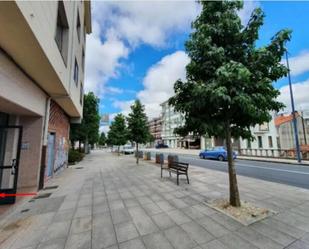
(266, 140)
(170, 121)
(284, 124)
(42, 64)
(155, 128)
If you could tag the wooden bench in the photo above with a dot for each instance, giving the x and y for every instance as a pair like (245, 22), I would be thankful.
(177, 168)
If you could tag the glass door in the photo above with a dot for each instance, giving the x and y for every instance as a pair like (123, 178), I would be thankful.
(10, 145)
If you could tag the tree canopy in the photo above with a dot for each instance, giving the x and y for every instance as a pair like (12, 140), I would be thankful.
(118, 133)
(138, 128)
(102, 139)
(229, 79)
(88, 130)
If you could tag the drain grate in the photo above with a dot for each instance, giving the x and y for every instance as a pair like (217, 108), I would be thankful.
(50, 187)
(24, 210)
(79, 167)
(42, 196)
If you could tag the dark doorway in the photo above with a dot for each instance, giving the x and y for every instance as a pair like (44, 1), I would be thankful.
(10, 145)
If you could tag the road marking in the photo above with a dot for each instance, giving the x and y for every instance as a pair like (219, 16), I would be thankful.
(261, 167)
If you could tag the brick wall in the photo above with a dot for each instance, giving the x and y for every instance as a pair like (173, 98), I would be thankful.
(59, 124)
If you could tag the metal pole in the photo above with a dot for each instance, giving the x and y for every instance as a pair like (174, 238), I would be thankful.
(293, 111)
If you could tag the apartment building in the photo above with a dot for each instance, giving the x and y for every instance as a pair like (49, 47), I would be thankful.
(42, 61)
(285, 126)
(266, 140)
(155, 128)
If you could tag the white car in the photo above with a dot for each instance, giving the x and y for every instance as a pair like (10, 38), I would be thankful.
(127, 149)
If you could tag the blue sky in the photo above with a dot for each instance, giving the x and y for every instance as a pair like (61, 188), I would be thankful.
(137, 50)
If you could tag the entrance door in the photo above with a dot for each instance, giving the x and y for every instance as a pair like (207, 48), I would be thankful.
(10, 145)
(50, 154)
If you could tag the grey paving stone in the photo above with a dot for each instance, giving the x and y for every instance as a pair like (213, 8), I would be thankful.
(68, 205)
(63, 215)
(152, 209)
(204, 209)
(103, 233)
(29, 238)
(165, 206)
(257, 239)
(142, 221)
(179, 238)
(132, 244)
(283, 227)
(156, 241)
(163, 221)
(274, 234)
(132, 202)
(120, 216)
(298, 244)
(57, 230)
(214, 244)
(79, 241)
(226, 221)
(213, 227)
(53, 244)
(80, 225)
(178, 203)
(83, 212)
(100, 208)
(143, 200)
(233, 241)
(126, 195)
(178, 217)
(197, 232)
(116, 204)
(192, 213)
(125, 231)
(290, 218)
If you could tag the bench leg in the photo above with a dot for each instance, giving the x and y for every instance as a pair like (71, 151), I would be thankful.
(187, 178)
(177, 179)
(170, 173)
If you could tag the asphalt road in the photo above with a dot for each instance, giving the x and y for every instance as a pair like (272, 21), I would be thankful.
(290, 174)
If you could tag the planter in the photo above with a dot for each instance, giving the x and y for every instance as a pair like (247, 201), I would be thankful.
(159, 158)
(140, 154)
(147, 156)
(171, 159)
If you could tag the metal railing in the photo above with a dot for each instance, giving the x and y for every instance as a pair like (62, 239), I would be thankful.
(274, 153)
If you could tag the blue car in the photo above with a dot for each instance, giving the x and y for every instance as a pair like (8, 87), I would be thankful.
(218, 153)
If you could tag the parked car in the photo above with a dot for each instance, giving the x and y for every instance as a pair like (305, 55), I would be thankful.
(128, 149)
(159, 146)
(218, 153)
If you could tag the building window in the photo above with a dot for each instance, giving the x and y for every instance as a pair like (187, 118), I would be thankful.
(260, 142)
(264, 127)
(78, 29)
(83, 59)
(81, 94)
(270, 141)
(75, 77)
(248, 143)
(62, 31)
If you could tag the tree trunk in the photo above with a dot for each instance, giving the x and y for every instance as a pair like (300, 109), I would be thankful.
(118, 150)
(234, 193)
(137, 155)
(79, 146)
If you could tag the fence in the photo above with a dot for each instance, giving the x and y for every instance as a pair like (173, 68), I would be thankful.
(274, 153)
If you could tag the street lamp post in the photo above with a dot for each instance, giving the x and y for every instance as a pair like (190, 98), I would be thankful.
(293, 110)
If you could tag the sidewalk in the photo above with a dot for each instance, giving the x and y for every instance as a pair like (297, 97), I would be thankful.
(107, 201)
(192, 152)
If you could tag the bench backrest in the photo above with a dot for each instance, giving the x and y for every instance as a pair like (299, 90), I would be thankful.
(183, 166)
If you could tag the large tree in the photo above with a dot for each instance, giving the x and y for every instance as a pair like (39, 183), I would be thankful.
(118, 133)
(88, 131)
(102, 139)
(138, 126)
(229, 79)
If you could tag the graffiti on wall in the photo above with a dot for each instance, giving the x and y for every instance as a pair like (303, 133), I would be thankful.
(61, 154)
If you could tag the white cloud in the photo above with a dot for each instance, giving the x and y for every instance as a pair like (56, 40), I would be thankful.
(299, 64)
(300, 93)
(159, 83)
(150, 22)
(245, 12)
(102, 59)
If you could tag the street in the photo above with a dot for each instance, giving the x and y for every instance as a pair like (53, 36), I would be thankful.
(290, 174)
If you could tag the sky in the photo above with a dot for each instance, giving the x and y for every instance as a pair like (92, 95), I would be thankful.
(136, 50)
